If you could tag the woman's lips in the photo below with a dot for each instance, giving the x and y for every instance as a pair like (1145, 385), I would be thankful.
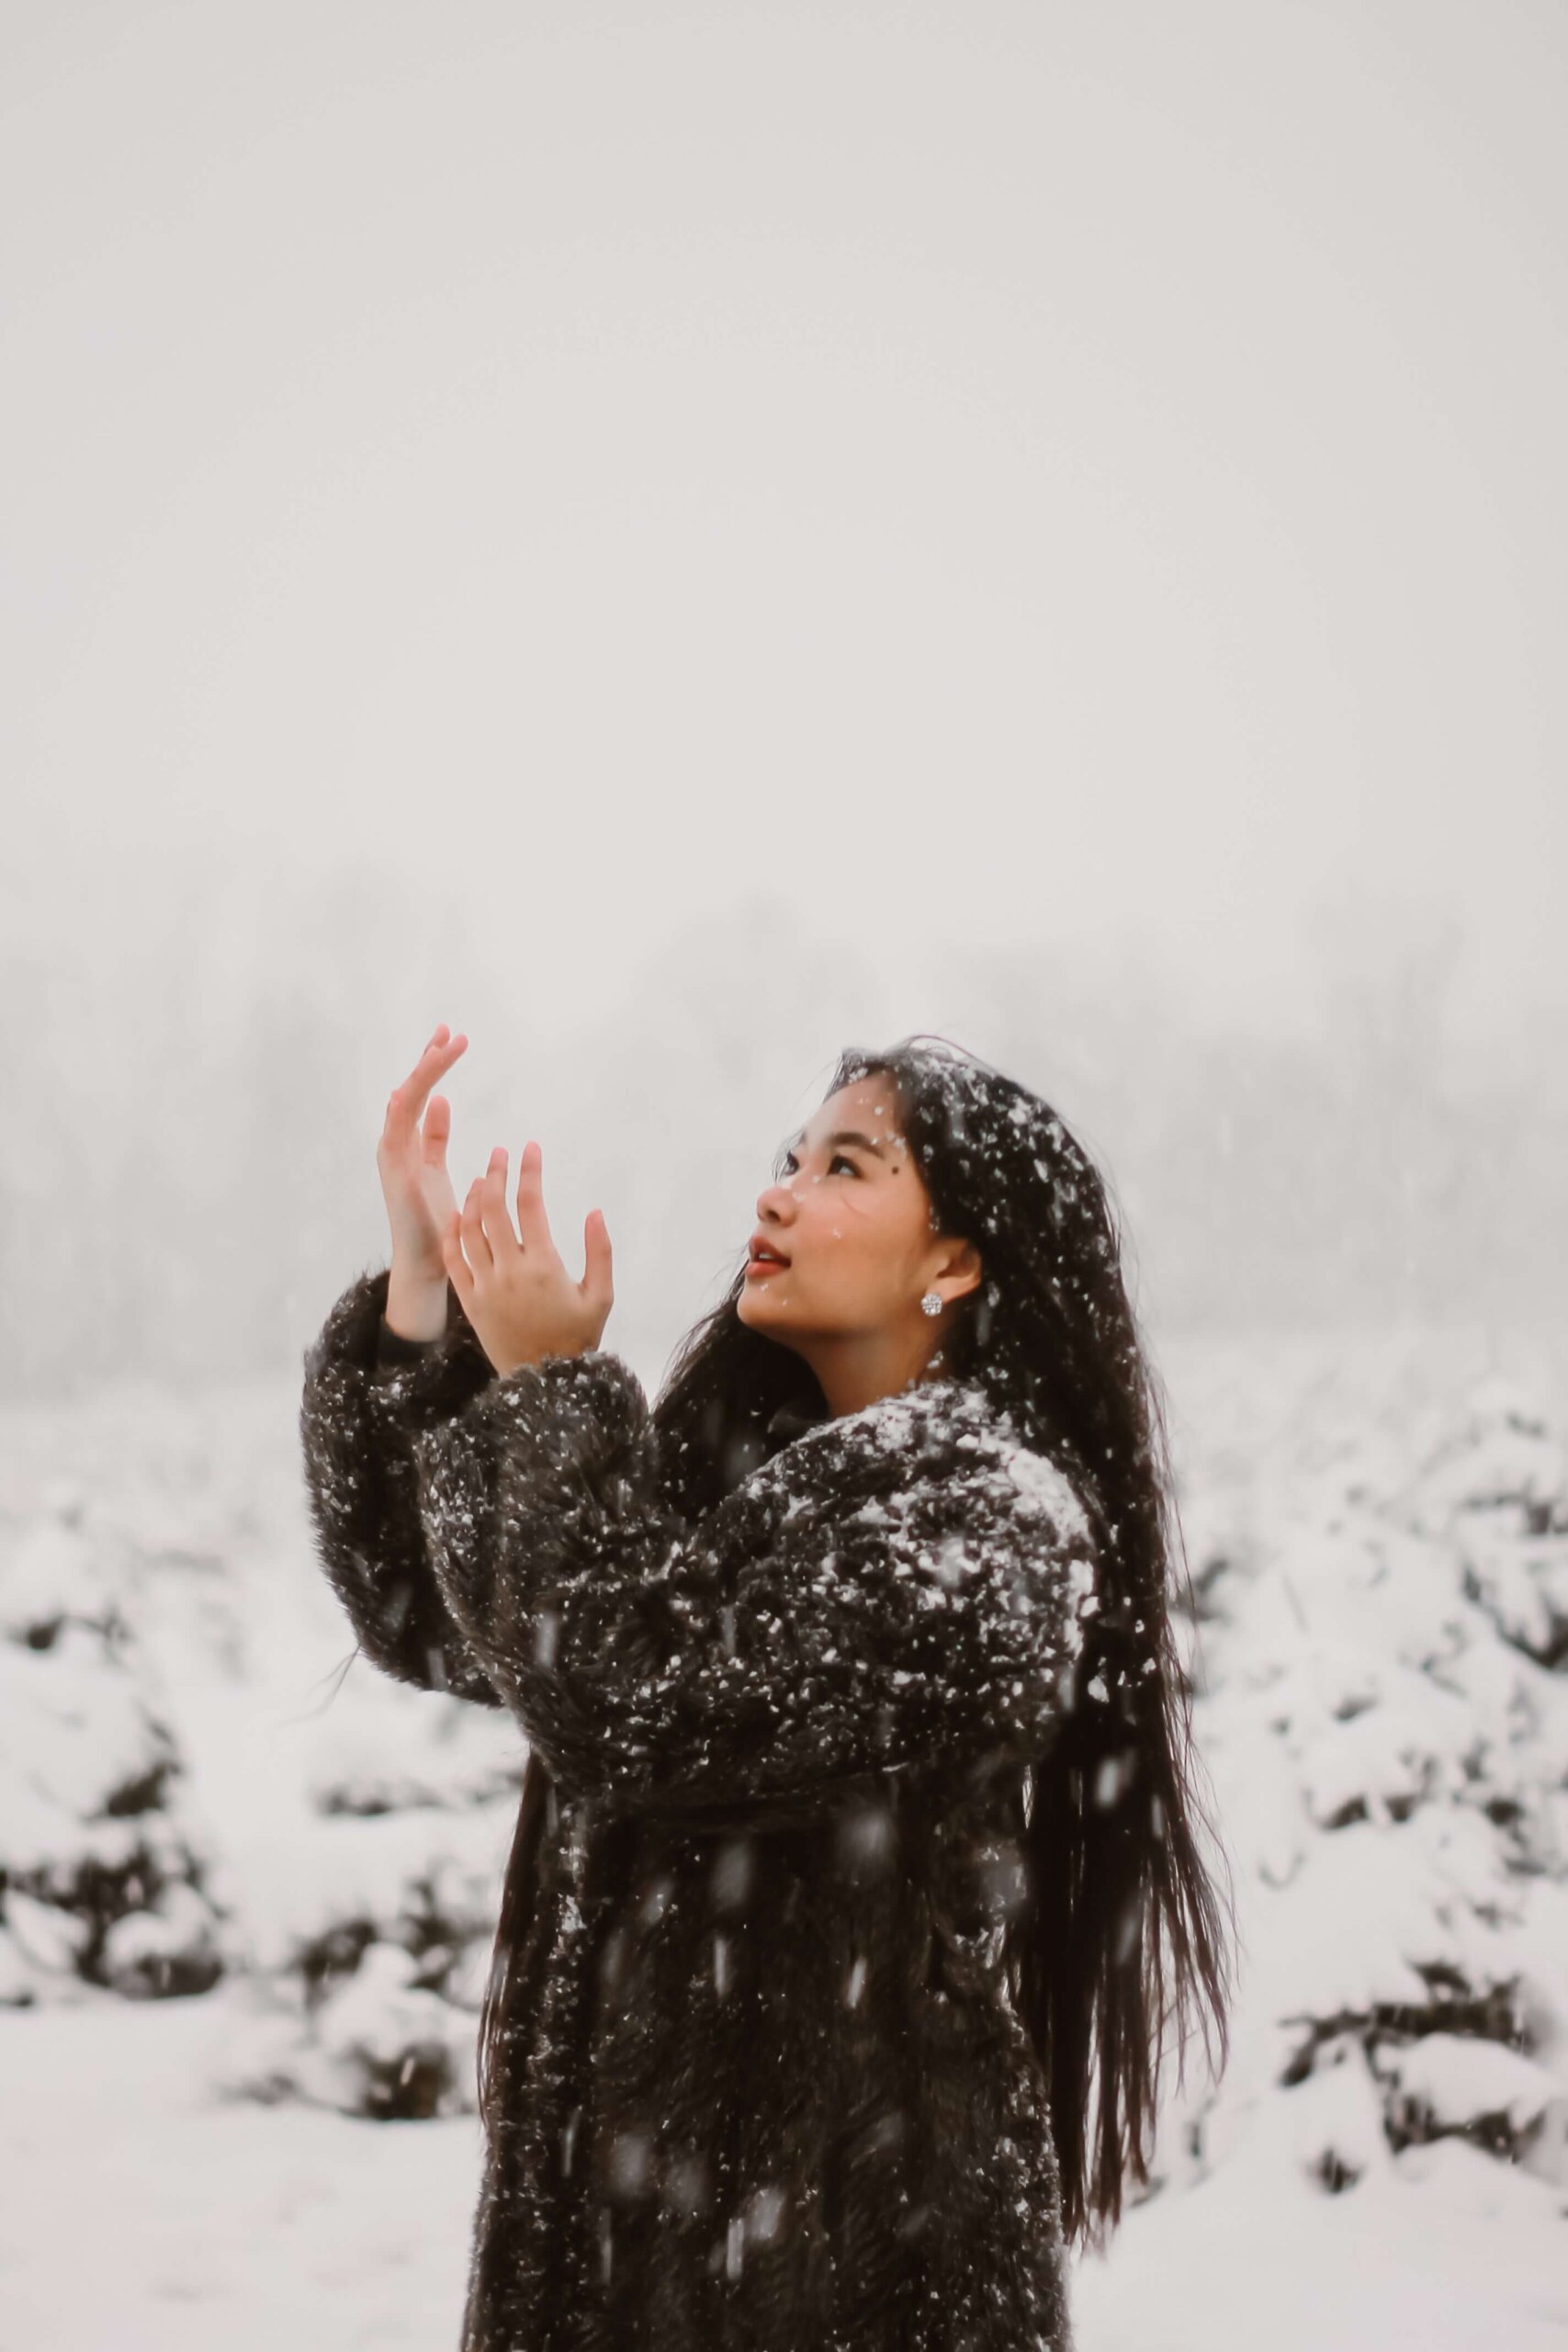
(755, 1266)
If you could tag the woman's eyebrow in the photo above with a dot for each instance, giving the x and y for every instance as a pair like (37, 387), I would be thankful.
(843, 1135)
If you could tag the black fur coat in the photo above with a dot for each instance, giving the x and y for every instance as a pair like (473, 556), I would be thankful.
(763, 2081)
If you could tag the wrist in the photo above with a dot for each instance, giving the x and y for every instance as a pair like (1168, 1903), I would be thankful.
(416, 1303)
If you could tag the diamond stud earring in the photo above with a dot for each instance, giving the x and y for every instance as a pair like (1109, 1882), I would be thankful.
(932, 1302)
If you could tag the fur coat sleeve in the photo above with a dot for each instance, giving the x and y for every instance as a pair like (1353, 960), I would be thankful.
(899, 1587)
(362, 1404)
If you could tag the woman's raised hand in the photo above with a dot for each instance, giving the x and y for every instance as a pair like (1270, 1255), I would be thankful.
(515, 1292)
(410, 1160)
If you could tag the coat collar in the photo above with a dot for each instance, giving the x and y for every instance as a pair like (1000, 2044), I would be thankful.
(790, 1419)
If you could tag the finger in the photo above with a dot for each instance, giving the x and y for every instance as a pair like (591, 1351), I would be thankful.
(439, 1055)
(457, 1266)
(476, 1249)
(497, 1224)
(532, 1223)
(598, 1280)
(436, 1132)
(407, 1102)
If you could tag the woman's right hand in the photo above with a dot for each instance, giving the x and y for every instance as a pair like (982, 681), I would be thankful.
(410, 1160)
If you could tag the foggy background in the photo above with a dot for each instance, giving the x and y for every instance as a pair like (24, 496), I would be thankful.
(679, 540)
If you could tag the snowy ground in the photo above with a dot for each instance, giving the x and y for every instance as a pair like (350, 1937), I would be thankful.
(1373, 1529)
(255, 2227)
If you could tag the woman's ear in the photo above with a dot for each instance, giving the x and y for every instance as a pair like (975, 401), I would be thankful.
(961, 1257)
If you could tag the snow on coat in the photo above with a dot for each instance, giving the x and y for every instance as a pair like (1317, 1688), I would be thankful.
(762, 2080)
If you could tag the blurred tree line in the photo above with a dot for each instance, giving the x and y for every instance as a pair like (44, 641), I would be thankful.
(188, 1178)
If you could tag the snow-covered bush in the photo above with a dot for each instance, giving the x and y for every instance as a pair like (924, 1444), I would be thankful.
(1379, 1646)
(101, 1877)
(372, 1947)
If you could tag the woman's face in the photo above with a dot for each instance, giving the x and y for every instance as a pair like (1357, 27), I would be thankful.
(852, 1218)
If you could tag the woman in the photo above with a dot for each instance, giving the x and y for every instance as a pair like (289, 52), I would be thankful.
(857, 1800)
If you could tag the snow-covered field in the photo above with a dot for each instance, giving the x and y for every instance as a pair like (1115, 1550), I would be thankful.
(245, 1910)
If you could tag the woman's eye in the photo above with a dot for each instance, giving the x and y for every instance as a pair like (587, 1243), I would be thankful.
(838, 1156)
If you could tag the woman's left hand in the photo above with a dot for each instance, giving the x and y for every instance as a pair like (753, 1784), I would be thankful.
(515, 1292)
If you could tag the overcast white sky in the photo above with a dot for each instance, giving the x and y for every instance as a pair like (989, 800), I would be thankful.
(1062, 474)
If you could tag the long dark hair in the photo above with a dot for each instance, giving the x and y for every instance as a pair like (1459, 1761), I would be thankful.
(1123, 1930)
